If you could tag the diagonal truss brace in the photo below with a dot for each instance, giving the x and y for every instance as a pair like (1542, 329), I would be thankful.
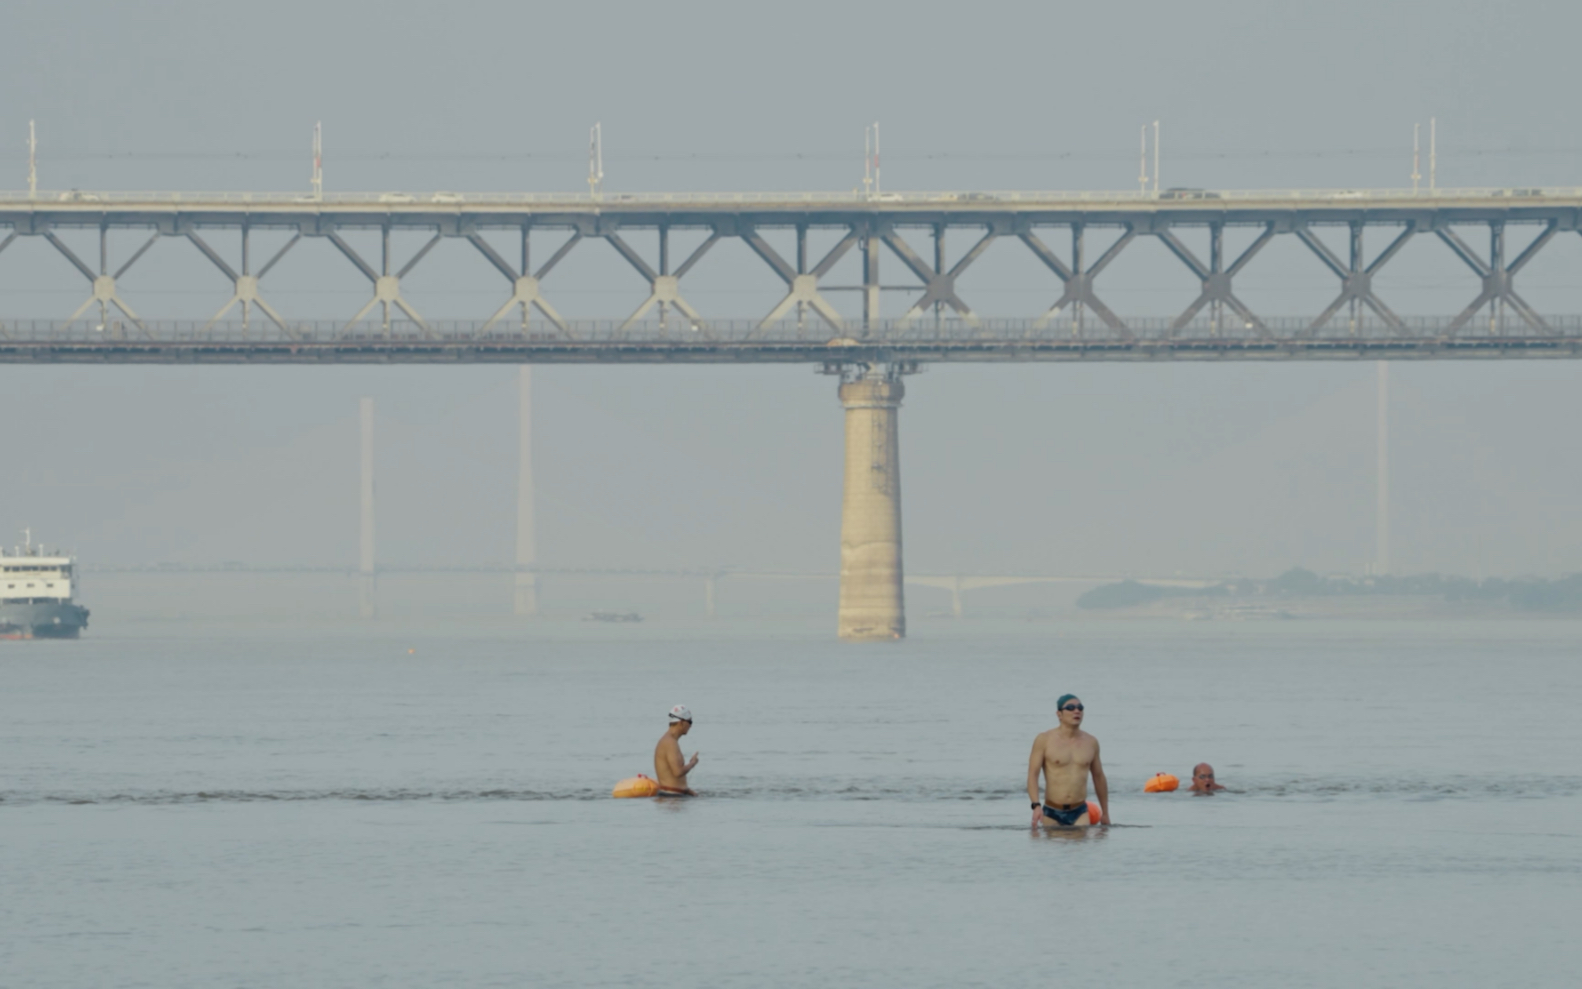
(939, 285)
(10, 238)
(802, 284)
(1498, 278)
(244, 284)
(1079, 282)
(387, 287)
(664, 288)
(1216, 278)
(525, 290)
(1356, 279)
(104, 291)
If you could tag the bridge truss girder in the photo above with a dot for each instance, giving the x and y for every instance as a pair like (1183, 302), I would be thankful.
(244, 284)
(1497, 277)
(802, 284)
(1215, 278)
(1078, 282)
(102, 283)
(937, 279)
(1356, 277)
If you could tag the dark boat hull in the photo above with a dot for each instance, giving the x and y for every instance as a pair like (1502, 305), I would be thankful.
(43, 620)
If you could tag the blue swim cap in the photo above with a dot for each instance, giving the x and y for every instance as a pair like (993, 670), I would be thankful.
(1065, 697)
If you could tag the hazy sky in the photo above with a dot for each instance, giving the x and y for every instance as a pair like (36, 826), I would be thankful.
(1149, 469)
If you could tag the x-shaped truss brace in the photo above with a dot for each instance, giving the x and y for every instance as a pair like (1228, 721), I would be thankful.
(525, 287)
(801, 284)
(664, 289)
(1356, 279)
(104, 291)
(1498, 277)
(244, 284)
(939, 285)
(1216, 278)
(1079, 282)
(387, 287)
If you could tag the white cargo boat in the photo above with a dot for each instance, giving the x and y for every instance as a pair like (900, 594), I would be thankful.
(35, 594)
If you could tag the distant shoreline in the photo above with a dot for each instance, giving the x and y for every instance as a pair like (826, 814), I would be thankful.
(1414, 607)
(1300, 593)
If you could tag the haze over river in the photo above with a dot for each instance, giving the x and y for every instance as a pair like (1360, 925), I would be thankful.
(189, 806)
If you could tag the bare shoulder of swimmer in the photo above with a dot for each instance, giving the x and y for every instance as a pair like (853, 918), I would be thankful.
(1040, 745)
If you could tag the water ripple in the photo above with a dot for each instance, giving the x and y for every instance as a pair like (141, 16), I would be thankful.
(888, 789)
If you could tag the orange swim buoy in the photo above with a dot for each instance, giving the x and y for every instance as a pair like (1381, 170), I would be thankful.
(1095, 812)
(1161, 783)
(637, 786)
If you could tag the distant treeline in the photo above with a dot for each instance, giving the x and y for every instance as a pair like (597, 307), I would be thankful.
(1526, 594)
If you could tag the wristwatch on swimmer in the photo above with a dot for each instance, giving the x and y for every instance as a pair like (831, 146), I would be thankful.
(1035, 805)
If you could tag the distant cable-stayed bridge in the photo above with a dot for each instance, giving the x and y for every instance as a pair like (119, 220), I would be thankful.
(956, 584)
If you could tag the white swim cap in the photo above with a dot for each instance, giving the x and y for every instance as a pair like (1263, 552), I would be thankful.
(680, 713)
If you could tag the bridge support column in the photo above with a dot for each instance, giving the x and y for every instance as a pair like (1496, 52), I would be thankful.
(1381, 517)
(871, 601)
(525, 600)
(367, 587)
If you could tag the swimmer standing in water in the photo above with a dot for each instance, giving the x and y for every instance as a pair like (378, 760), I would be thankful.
(1066, 755)
(670, 772)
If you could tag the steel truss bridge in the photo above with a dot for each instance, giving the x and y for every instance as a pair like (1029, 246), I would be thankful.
(523, 324)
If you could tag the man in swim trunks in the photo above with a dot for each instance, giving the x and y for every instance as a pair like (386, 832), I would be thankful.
(1066, 755)
(670, 772)
(1203, 779)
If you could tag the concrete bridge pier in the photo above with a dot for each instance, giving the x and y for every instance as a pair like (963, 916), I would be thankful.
(871, 601)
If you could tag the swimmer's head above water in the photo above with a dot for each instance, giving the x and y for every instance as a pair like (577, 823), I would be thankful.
(1203, 779)
(680, 720)
(1070, 708)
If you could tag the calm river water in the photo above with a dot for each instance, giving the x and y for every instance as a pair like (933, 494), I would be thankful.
(429, 807)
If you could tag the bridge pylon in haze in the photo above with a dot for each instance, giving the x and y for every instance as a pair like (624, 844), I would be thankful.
(525, 591)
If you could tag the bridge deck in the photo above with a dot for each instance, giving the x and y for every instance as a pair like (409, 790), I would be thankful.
(702, 209)
(743, 342)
